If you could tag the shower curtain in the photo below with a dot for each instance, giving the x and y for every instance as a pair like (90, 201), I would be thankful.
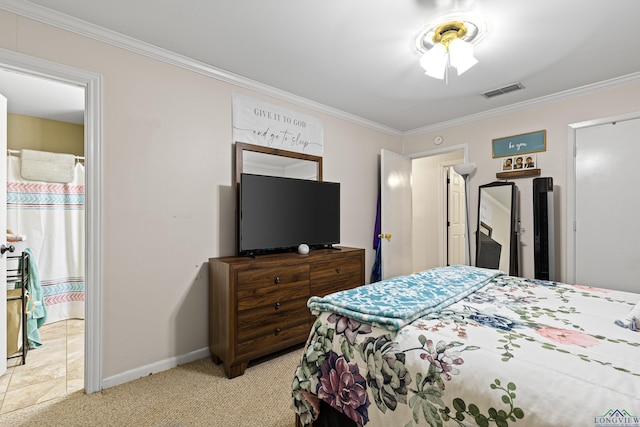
(51, 216)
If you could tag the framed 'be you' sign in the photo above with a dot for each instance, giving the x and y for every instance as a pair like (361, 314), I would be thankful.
(520, 144)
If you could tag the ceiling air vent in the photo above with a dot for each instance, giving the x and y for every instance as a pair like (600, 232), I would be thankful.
(503, 90)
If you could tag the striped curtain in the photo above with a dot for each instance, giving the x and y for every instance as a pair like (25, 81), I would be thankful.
(51, 216)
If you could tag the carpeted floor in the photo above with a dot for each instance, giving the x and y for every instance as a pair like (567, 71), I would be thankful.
(195, 394)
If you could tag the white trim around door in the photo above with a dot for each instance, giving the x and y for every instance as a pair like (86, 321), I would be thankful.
(92, 83)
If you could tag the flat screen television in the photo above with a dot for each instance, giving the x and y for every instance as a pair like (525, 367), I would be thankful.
(279, 214)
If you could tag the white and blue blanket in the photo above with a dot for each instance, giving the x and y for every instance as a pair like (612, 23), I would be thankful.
(398, 301)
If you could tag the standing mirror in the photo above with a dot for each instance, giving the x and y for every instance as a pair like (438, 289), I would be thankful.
(497, 238)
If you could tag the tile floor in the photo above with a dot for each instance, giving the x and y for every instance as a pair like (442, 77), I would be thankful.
(53, 370)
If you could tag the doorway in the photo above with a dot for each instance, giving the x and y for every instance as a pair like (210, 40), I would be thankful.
(419, 232)
(45, 213)
(92, 84)
(438, 210)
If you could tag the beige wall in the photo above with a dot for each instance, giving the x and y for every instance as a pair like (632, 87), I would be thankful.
(34, 133)
(168, 202)
(555, 118)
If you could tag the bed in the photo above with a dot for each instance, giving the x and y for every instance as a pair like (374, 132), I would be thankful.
(464, 346)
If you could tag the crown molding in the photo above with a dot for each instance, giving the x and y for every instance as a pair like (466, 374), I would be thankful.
(77, 26)
(86, 29)
(567, 94)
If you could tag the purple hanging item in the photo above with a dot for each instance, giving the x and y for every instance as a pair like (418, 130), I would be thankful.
(376, 228)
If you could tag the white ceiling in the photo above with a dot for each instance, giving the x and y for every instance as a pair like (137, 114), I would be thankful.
(358, 56)
(40, 97)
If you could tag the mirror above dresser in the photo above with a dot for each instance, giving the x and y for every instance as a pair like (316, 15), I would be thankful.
(261, 160)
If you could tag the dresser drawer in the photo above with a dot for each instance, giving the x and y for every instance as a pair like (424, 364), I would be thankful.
(262, 296)
(333, 271)
(325, 289)
(264, 277)
(255, 321)
(268, 286)
(273, 334)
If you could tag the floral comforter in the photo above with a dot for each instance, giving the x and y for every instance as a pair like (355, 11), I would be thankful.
(516, 352)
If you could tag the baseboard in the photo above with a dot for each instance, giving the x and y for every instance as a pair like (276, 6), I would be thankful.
(154, 368)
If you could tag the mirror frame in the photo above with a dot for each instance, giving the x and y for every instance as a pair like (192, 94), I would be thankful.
(514, 263)
(242, 147)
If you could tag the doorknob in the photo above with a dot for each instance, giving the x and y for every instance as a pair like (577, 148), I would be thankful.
(384, 236)
(4, 249)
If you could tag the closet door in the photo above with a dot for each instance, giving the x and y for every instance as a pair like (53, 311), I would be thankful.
(607, 200)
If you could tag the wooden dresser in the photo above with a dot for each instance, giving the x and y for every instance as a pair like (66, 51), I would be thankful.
(258, 306)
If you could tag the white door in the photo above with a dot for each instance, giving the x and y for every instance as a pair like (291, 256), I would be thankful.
(396, 214)
(607, 199)
(3, 226)
(455, 219)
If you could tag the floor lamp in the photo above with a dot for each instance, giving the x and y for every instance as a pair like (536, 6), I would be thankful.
(464, 170)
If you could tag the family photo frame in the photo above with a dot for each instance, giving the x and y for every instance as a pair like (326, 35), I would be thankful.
(519, 162)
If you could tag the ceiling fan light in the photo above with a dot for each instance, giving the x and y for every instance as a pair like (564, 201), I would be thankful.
(466, 65)
(434, 61)
(448, 44)
(436, 72)
(461, 55)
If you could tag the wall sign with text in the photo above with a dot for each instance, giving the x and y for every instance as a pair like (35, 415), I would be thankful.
(260, 123)
(520, 144)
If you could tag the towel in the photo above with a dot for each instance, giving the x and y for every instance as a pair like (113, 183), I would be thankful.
(47, 167)
(38, 311)
(632, 320)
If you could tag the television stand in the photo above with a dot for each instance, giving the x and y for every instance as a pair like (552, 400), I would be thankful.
(259, 306)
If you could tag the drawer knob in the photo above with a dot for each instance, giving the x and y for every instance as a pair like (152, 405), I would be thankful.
(277, 280)
(277, 306)
(277, 331)
(338, 270)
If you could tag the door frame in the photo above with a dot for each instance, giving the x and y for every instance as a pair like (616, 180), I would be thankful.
(442, 193)
(92, 83)
(570, 273)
